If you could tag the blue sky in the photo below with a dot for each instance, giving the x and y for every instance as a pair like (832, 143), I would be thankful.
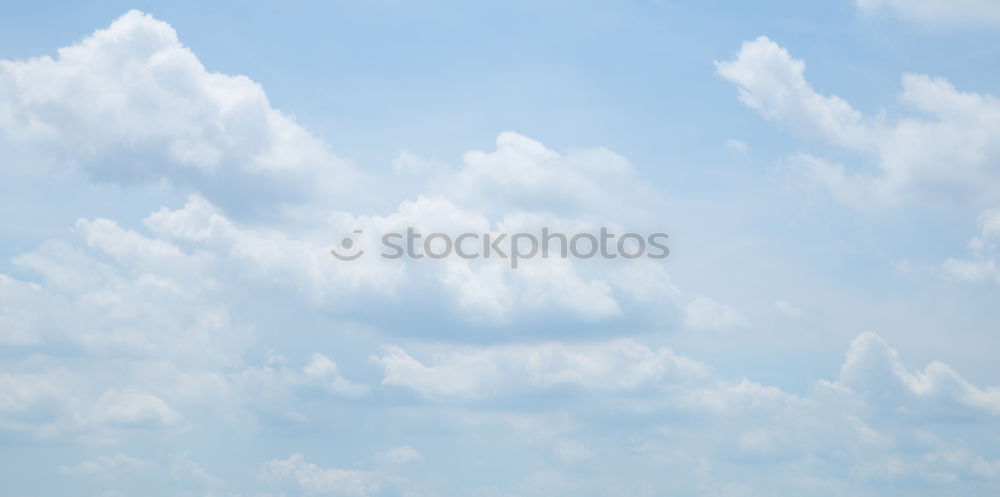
(174, 175)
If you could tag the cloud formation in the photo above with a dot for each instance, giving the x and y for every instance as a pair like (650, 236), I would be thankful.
(131, 104)
(948, 153)
(172, 330)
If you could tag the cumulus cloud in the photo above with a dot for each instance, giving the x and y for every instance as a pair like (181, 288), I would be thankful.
(525, 173)
(874, 371)
(135, 328)
(167, 295)
(937, 14)
(123, 293)
(130, 103)
(773, 83)
(950, 151)
(888, 424)
(477, 372)
(189, 254)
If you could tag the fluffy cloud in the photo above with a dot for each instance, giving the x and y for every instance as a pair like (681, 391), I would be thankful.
(773, 83)
(951, 152)
(131, 104)
(877, 421)
(616, 368)
(170, 299)
(481, 372)
(195, 250)
(520, 187)
(937, 14)
(522, 172)
(191, 255)
(873, 371)
(872, 374)
(126, 331)
(124, 294)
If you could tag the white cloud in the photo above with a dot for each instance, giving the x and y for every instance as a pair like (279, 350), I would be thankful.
(872, 379)
(477, 372)
(936, 13)
(773, 83)
(130, 104)
(160, 318)
(126, 293)
(873, 371)
(302, 262)
(523, 172)
(951, 152)
(195, 252)
(492, 291)
(161, 299)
